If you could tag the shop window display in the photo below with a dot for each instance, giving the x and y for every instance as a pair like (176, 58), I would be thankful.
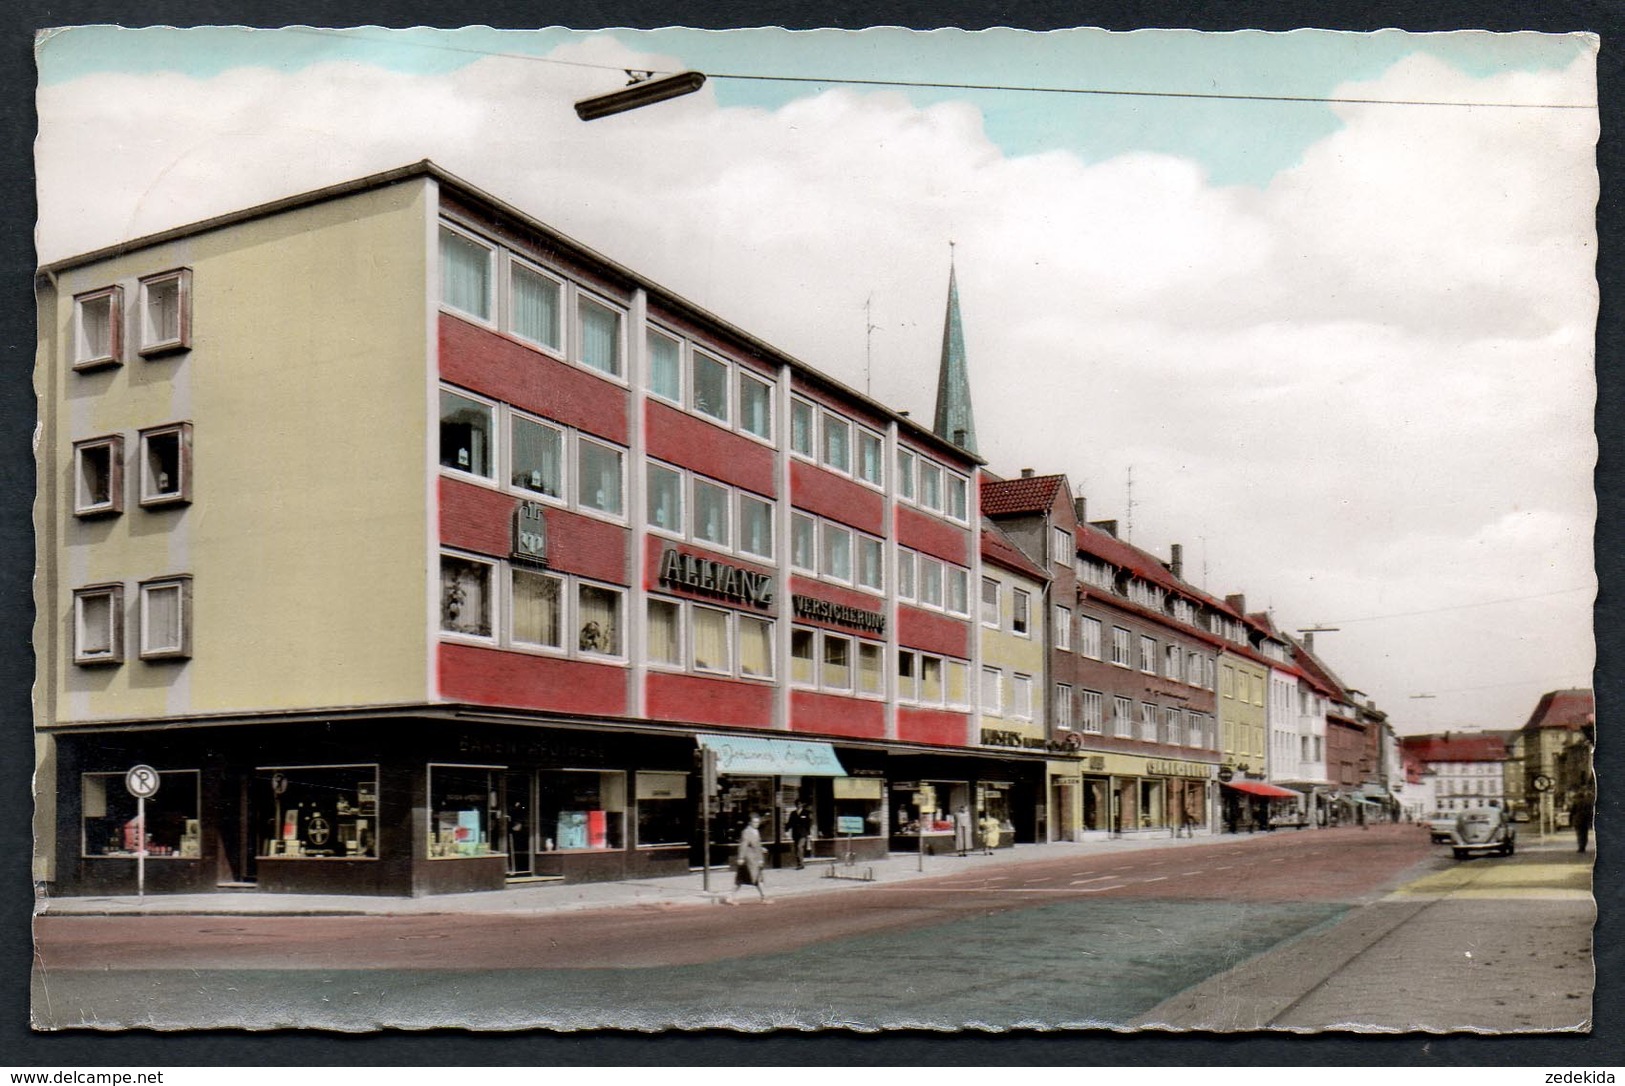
(581, 809)
(859, 806)
(662, 809)
(928, 806)
(317, 812)
(463, 804)
(112, 829)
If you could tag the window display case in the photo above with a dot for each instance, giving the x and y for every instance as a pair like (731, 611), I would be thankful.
(580, 809)
(111, 828)
(317, 812)
(464, 806)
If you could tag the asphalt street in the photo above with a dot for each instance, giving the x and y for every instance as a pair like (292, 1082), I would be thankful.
(1179, 936)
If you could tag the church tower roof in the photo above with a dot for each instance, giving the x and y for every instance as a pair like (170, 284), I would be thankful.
(954, 421)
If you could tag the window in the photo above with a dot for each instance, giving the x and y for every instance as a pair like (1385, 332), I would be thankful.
(537, 302)
(958, 591)
(871, 451)
(755, 526)
(98, 624)
(466, 434)
(1172, 657)
(581, 809)
(755, 647)
(908, 674)
(665, 366)
(166, 618)
(1170, 724)
(1061, 549)
(837, 443)
(710, 391)
(801, 427)
(870, 565)
(166, 465)
(711, 513)
(958, 673)
(905, 474)
(598, 477)
(871, 677)
(465, 596)
(1063, 628)
(1120, 646)
(1021, 696)
(317, 812)
(598, 620)
(665, 498)
(98, 476)
(1123, 717)
(465, 274)
(930, 485)
(837, 662)
(1063, 707)
(1193, 669)
(111, 827)
(464, 810)
(837, 553)
(166, 317)
(1089, 636)
(803, 664)
(1227, 681)
(993, 691)
(958, 497)
(755, 406)
(906, 585)
(711, 649)
(1089, 711)
(930, 582)
(662, 800)
(537, 609)
(1195, 726)
(931, 675)
(804, 542)
(1148, 722)
(1020, 612)
(98, 328)
(990, 602)
(600, 331)
(1148, 655)
(538, 457)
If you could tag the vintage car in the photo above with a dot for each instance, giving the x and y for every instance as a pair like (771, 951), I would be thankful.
(1440, 824)
(1483, 829)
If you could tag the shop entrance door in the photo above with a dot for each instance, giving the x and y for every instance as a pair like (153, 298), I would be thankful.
(520, 825)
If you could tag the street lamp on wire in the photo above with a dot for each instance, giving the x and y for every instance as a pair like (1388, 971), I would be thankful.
(642, 89)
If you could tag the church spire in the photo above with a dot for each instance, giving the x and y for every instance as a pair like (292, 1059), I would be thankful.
(954, 421)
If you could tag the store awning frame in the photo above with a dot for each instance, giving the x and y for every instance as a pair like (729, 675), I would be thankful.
(750, 755)
(1259, 788)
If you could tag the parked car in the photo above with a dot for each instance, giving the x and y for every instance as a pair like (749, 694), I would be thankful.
(1440, 825)
(1482, 830)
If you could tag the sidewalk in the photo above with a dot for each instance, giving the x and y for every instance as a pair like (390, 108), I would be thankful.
(541, 898)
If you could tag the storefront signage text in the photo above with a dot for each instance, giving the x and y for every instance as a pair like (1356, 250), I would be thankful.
(839, 613)
(530, 532)
(1155, 768)
(995, 737)
(715, 578)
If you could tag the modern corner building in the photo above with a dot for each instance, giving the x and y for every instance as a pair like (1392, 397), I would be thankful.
(422, 549)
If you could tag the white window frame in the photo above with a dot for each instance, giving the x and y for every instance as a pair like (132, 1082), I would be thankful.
(729, 650)
(814, 434)
(493, 594)
(907, 485)
(739, 619)
(83, 359)
(811, 632)
(926, 565)
(825, 639)
(507, 417)
(925, 465)
(493, 455)
(1021, 696)
(1122, 648)
(1063, 628)
(510, 639)
(742, 374)
(1089, 636)
(490, 320)
(1095, 723)
(863, 434)
(1021, 612)
(622, 454)
(114, 595)
(573, 632)
(993, 691)
(908, 580)
(696, 355)
(876, 547)
(181, 647)
(151, 497)
(680, 531)
(1173, 660)
(1123, 717)
(1148, 722)
(725, 494)
(1061, 544)
(110, 448)
(955, 487)
(1148, 655)
(956, 601)
(996, 618)
(1062, 707)
(876, 651)
(650, 331)
(826, 530)
(514, 263)
(578, 326)
(770, 555)
(908, 687)
(827, 420)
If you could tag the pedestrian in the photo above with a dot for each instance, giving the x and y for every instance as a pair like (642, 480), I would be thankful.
(800, 826)
(964, 830)
(990, 833)
(1581, 812)
(748, 861)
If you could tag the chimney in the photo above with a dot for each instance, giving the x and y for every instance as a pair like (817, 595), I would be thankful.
(1027, 473)
(1107, 526)
(959, 437)
(1080, 507)
(1237, 602)
(1309, 641)
(1176, 560)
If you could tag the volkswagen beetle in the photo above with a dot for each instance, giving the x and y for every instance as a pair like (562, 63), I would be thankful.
(1481, 830)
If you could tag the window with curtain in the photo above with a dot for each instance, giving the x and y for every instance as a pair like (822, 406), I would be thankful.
(803, 542)
(837, 443)
(755, 406)
(711, 513)
(803, 665)
(755, 647)
(710, 376)
(465, 274)
(990, 602)
(96, 623)
(837, 662)
(905, 474)
(465, 596)
(711, 640)
(600, 337)
(598, 620)
(536, 307)
(1020, 611)
(1063, 706)
(1021, 696)
(665, 366)
(1089, 711)
(599, 477)
(466, 427)
(958, 674)
(163, 618)
(755, 526)
(162, 299)
(871, 677)
(908, 664)
(958, 497)
(992, 691)
(958, 590)
(930, 485)
(665, 633)
(801, 427)
(837, 553)
(1089, 636)
(931, 680)
(538, 609)
(665, 498)
(538, 457)
(871, 566)
(930, 581)
(905, 574)
(871, 450)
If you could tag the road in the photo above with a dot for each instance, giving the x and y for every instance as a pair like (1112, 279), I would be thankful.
(1296, 931)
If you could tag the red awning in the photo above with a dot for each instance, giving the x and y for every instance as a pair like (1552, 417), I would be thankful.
(1259, 788)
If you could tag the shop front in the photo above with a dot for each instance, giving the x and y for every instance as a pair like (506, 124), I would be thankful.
(1249, 805)
(1124, 793)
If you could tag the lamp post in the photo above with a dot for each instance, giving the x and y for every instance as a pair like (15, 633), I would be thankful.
(641, 90)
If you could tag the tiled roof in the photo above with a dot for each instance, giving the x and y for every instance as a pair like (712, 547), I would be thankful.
(1457, 747)
(1029, 494)
(1568, 709)
(1318, 673)
(998, 548)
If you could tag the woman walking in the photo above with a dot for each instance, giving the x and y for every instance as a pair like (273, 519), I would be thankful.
(749, 861)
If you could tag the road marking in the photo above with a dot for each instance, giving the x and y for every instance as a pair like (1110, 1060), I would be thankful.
(1159, 878)
(1198, 871)
(1029, 882)
(1098, 889)
(1102, 878)
(1226, 867)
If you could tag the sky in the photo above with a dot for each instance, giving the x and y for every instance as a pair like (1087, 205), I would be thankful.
(1341, 351)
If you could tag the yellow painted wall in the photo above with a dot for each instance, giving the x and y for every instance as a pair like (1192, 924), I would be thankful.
(1005, 650)
(307, 533)
(1243, 718)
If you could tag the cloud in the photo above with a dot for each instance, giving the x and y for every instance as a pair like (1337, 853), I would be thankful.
(1329, 387)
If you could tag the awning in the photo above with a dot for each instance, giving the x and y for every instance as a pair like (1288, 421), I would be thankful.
(748, 755)
(1259, 788)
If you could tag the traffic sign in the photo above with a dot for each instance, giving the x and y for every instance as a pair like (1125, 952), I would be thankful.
(1543, 783)
(141, 781)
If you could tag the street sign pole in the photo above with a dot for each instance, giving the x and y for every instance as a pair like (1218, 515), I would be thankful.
(708, 786)
(141, 782)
